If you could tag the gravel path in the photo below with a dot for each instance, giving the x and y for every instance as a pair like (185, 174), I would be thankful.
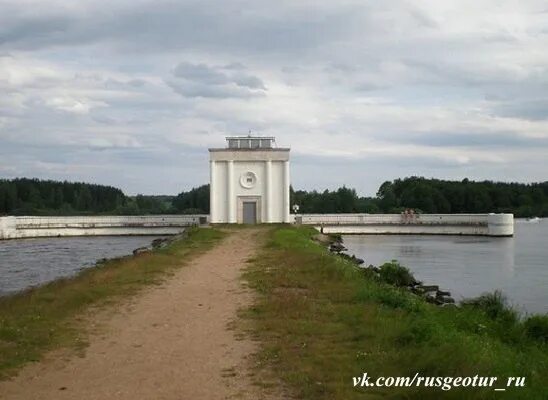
(173, 341)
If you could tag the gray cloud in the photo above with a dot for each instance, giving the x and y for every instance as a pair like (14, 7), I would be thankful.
(201, 73)
(161, 26)
(534, 109)
(200, 80)
(495, 140)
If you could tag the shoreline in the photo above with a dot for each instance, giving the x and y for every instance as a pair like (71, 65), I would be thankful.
(466, 268)
(312, 300)
(174, 340)
(46, 317)
(156, 242)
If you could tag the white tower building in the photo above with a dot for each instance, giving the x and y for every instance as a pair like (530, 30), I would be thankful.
(249, 181)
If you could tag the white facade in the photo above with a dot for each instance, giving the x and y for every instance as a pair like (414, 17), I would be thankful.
(249, 182)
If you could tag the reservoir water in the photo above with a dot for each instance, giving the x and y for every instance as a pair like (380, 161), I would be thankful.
(30, 262)
(466, 266)
(469, 266)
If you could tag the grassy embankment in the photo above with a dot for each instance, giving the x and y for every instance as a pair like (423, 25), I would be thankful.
(48, 317)
(321, 322)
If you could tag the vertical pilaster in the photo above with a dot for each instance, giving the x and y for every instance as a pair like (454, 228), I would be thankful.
(230, 192)
(268, 191)
(213, 214)
(286, 192)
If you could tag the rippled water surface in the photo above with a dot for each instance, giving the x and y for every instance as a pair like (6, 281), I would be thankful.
(469, 266)
(29, 262)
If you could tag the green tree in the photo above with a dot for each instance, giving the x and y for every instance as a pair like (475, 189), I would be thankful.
(387, 197)
(84, 199)
(197, 199)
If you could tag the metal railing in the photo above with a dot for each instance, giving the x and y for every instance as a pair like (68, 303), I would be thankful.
(393, 219)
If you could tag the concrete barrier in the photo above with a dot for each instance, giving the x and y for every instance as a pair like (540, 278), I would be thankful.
(418, 224)
(32, 226)
(500, 224)
(7, 227)
(393, 224)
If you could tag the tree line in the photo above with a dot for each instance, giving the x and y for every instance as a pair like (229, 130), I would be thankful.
(442, 196)
(24, 196)
(34, 196)
(420, 194)
(47, 197)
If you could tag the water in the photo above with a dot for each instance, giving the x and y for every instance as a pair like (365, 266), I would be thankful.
(30, 262)
(469, 266)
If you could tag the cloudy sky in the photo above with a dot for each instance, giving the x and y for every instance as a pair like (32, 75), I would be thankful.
(132, 92)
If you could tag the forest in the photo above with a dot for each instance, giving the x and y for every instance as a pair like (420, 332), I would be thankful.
(442, 196)
(24, 196)
(45, 197)
(432, 196)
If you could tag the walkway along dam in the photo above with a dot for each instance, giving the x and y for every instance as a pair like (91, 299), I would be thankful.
(373, 224)
(412, 224)
(33, 227)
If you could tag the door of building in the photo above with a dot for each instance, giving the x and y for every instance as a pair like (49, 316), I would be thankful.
(249, 212)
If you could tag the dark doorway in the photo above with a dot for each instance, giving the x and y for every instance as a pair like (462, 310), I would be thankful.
(250, 212)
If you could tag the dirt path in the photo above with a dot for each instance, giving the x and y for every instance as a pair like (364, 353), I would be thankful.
(172, 342)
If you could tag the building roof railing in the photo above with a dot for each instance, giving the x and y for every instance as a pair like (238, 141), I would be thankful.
(250, 142)
(250, 137)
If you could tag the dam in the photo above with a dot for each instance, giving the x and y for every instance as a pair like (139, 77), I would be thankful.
(35, 227)
(411, 224)
(362, 224)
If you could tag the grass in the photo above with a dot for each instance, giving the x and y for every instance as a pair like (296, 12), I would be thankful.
(321, 321)
(50, 316)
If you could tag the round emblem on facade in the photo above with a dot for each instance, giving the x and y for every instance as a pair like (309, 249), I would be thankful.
(248, 180)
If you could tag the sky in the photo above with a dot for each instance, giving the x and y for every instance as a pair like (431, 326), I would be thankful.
(131, 93)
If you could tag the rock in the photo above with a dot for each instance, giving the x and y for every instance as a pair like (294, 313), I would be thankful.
(159, 243)
(337, 247)
(351, 258)
(430, 298)
(447, 300)
(356, 260)
(417, 290)
(443, 293)
(429, 288)
(141, 250)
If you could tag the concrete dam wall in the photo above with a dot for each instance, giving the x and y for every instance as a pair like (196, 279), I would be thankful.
(33, 227)
(375, 224)
(413, 224)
